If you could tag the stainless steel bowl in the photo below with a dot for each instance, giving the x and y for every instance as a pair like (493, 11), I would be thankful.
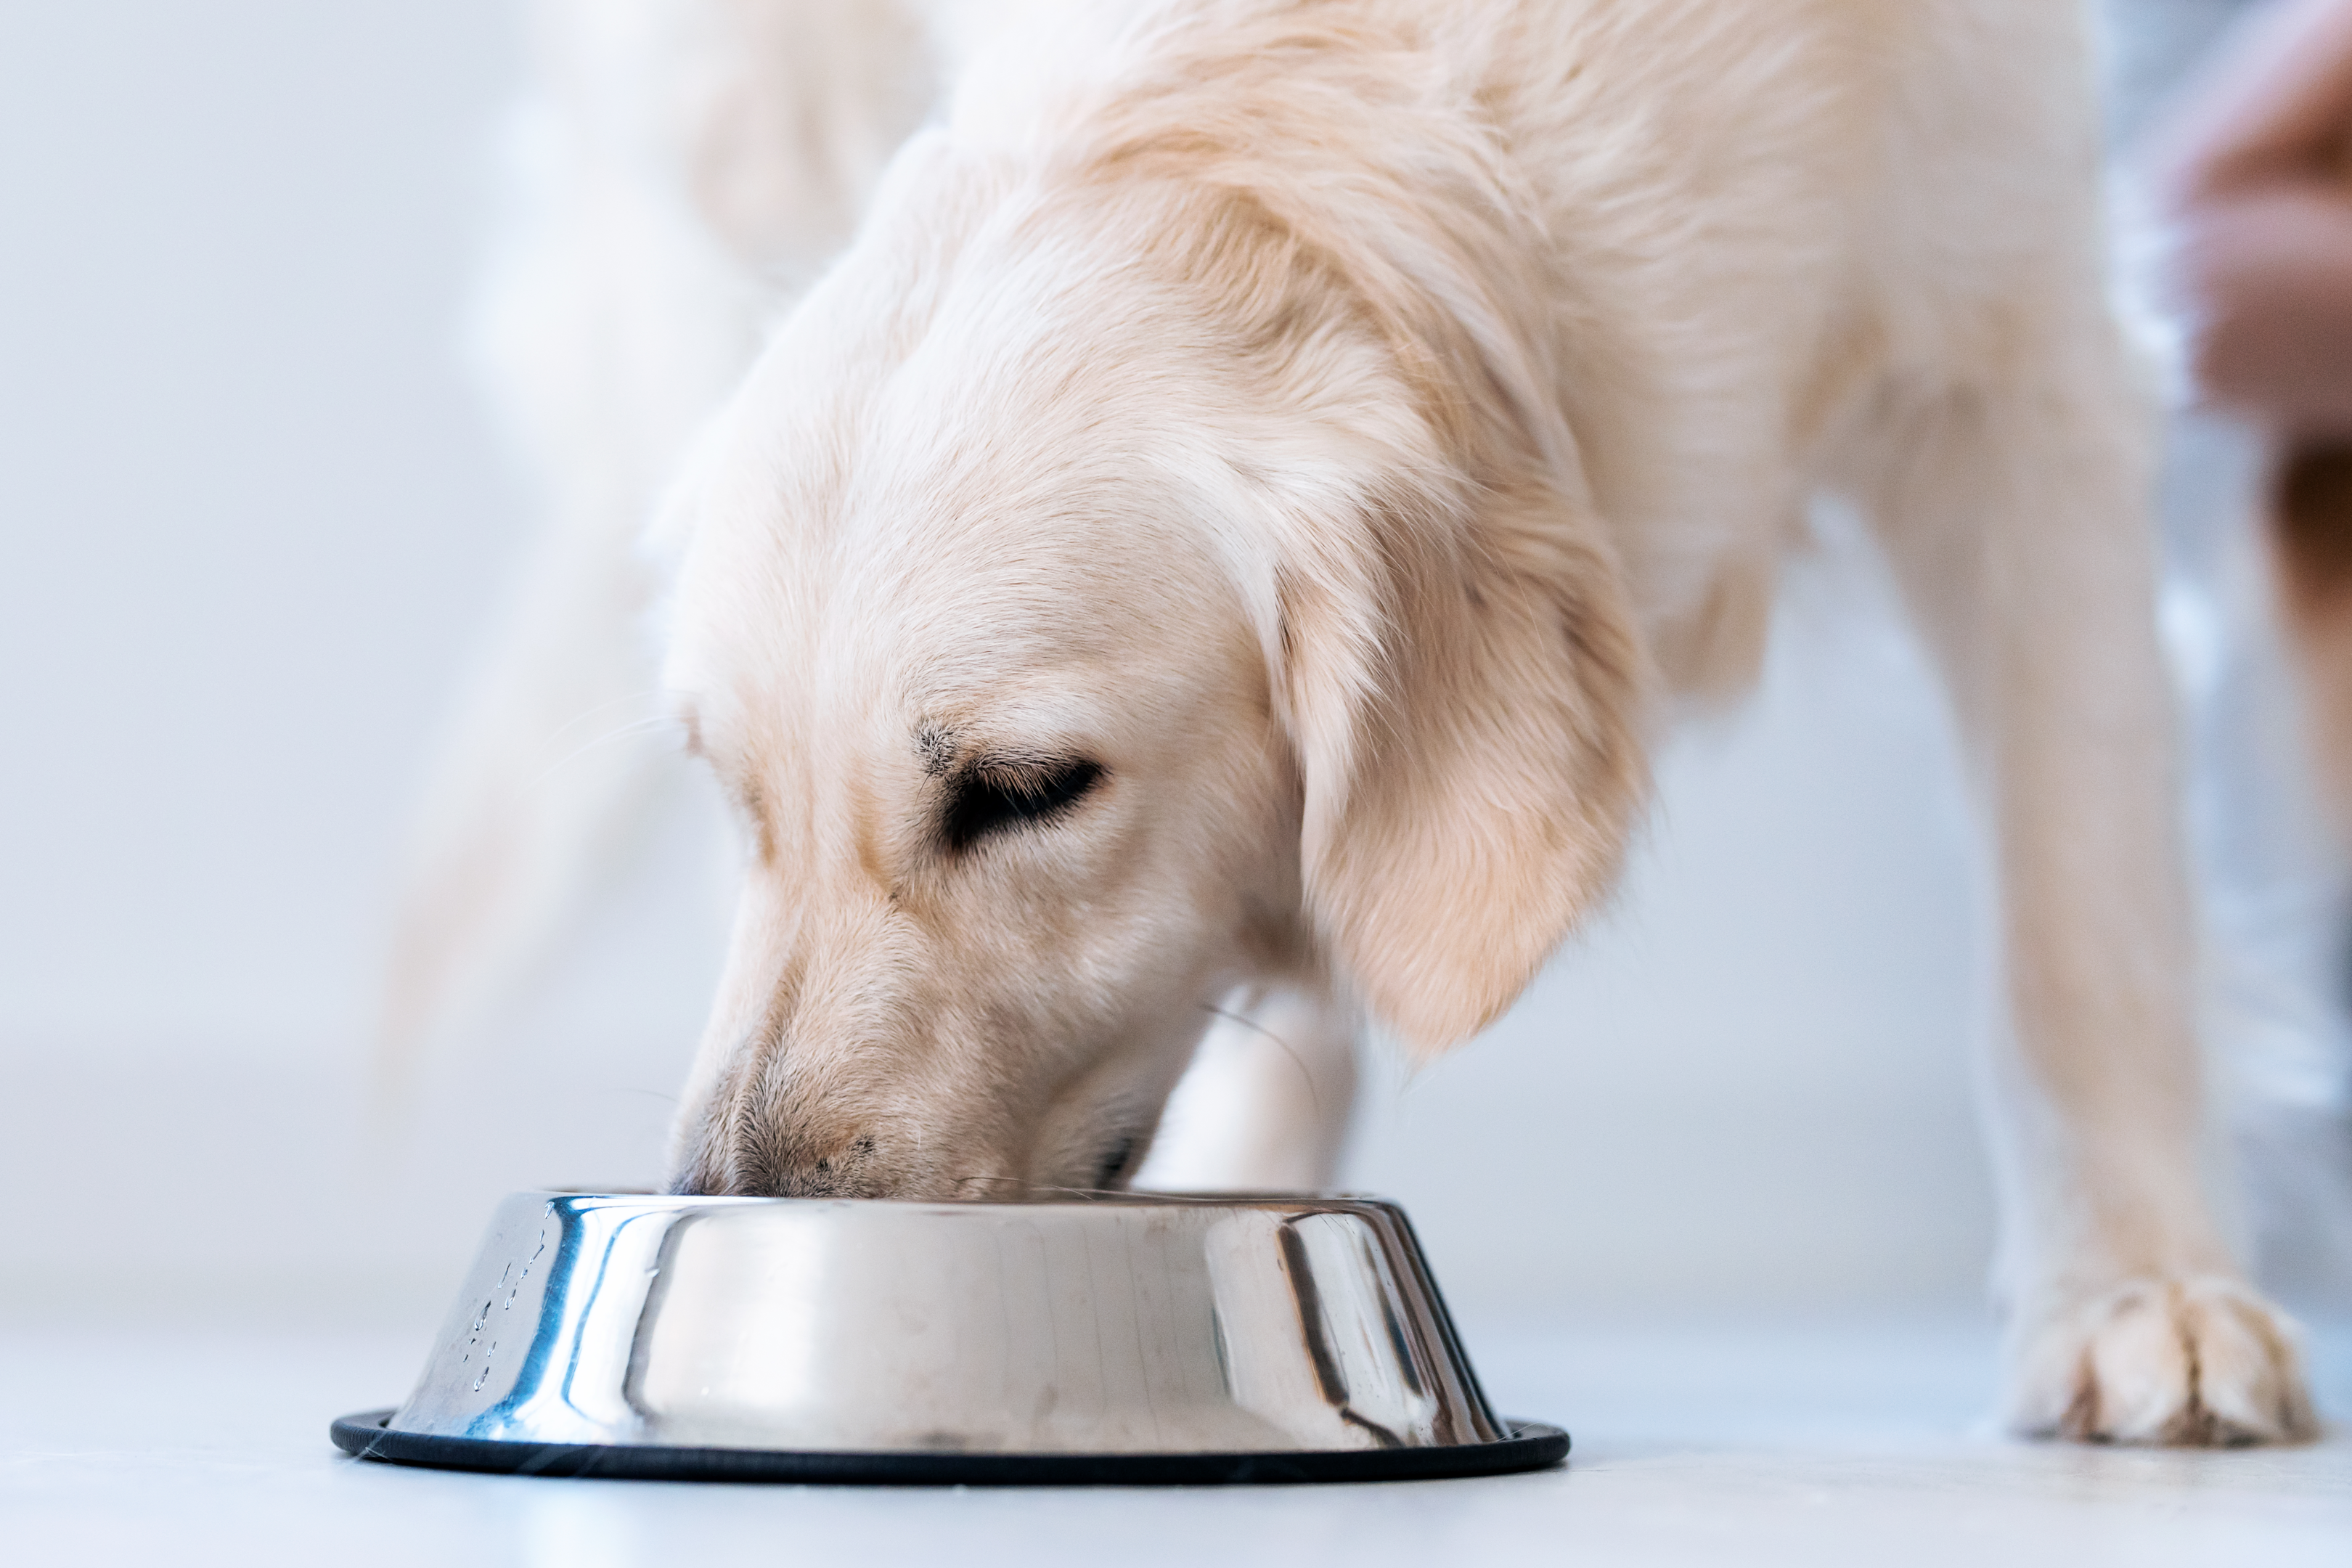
(1117, 1338)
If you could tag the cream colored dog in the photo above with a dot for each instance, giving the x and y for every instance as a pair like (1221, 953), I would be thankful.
(1234, 511)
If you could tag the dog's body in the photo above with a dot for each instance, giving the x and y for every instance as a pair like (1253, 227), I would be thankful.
(1234, 511)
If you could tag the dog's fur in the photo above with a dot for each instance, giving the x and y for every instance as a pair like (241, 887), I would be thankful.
(1236, 509)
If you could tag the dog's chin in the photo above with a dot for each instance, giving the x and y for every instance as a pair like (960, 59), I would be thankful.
(1099, 1151)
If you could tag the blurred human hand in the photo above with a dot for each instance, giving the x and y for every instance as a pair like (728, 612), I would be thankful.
(2252, 177)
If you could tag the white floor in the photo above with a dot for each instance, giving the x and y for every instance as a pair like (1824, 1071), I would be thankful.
(1820, 1445)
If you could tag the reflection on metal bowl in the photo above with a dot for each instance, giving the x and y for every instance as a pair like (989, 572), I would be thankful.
(1128, 1337)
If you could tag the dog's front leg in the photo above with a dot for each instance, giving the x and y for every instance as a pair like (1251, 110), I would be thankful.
(2014, 513)
(1266, 1103)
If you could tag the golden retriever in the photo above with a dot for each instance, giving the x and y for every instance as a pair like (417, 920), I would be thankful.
(1234, 487)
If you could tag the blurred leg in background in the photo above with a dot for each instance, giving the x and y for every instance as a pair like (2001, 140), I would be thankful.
(680, 171)
(2223, 113)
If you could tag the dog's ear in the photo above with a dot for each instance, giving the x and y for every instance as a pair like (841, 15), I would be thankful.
(1465, 701)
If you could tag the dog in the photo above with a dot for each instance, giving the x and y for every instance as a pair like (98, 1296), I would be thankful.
(1229, 493)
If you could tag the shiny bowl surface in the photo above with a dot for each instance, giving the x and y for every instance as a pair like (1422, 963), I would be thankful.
(1127, 1324)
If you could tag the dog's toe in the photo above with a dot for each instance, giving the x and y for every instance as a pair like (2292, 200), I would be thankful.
(2200, 1363)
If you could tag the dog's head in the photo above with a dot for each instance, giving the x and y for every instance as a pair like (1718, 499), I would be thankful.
(1096, 596)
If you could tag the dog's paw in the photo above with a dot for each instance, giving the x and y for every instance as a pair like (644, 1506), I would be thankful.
(2202, 1362)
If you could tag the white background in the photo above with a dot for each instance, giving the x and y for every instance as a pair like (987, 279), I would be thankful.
(251, 528)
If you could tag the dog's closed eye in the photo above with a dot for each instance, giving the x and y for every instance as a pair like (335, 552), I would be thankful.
(996, 794)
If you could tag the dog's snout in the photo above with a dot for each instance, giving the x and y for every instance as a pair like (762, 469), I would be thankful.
(748, 1144)
(850, 1170)
(741, 1163)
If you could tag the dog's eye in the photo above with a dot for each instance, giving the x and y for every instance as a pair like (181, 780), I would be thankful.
(994, 796)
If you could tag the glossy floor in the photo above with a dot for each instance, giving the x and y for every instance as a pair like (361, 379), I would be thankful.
(1819, 1444)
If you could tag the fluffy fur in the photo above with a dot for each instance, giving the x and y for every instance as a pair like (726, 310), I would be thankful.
(1236, 510)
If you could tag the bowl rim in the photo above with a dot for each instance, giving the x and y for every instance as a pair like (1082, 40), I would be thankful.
(1043, 1197)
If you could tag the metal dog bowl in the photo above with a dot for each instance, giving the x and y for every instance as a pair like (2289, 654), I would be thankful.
(1117, 1339)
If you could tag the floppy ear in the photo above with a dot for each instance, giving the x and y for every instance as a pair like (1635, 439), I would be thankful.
(1467, 706)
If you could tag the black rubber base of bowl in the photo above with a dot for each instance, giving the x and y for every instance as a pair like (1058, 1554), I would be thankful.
(1532, 1446)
